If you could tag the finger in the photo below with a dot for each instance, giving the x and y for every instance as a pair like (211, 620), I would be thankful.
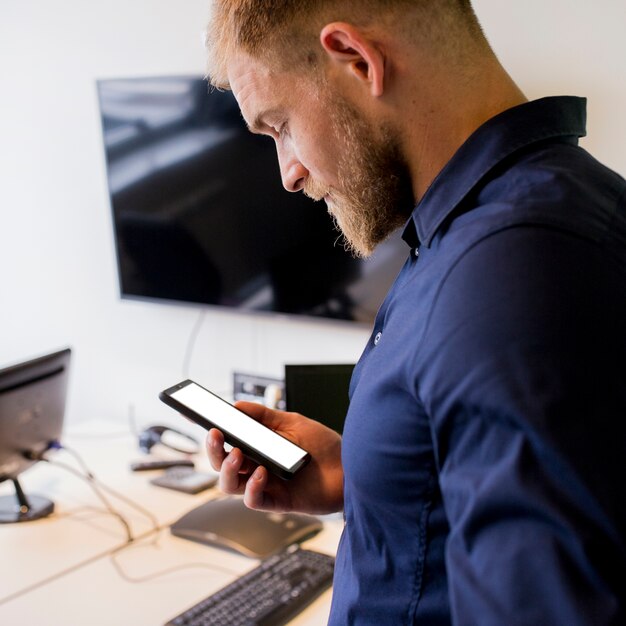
(215, 448)
(230, 481)
(254, 495)
(269, 417)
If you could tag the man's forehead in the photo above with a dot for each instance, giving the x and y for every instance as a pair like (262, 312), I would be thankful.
(245, 72)
(251, 82)
(262, 93)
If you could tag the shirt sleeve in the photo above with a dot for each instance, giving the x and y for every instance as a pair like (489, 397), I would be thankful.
(526, 391)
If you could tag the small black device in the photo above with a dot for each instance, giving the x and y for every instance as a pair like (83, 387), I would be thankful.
(185, 479)
(229, 524)
(32, 407)
(270, 595)
(261, 444)
(148, 466)
(319, 391)
(169, 437)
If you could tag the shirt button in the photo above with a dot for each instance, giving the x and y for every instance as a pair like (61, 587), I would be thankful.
(377, 338)
(416, 252)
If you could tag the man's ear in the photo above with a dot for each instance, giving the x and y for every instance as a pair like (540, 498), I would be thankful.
(351, 50)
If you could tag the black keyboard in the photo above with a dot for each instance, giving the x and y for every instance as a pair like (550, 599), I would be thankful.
(270, 595)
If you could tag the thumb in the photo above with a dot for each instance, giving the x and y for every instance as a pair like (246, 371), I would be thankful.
(259, 412)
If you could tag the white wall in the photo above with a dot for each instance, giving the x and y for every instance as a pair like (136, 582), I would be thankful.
(57, 268)
(573, 47)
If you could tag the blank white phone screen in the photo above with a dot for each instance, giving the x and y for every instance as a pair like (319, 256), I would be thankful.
(226, 417)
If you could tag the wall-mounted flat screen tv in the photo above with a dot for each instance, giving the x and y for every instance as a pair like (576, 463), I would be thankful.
(200, 214)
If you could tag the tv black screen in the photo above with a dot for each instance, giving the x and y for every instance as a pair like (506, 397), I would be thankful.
(200, 214)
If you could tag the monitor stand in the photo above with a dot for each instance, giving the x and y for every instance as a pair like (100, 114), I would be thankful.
(19, 508)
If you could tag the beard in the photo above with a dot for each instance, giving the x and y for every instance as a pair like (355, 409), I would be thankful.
(374, 194)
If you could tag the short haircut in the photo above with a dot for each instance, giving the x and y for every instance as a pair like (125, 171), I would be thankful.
(286, 31)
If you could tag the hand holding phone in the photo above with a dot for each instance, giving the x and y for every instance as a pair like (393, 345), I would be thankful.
(317, 489)
(261, 444)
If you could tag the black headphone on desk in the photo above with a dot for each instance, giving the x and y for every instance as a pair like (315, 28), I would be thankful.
(169, 437)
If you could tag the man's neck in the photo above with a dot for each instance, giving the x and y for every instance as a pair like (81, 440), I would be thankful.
(438, 119)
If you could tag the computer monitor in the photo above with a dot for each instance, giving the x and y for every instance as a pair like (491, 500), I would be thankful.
(319, 392)
(32, 407)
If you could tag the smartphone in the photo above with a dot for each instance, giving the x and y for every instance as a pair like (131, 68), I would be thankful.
(261, 444)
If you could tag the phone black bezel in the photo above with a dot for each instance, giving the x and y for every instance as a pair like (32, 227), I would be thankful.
(206, 423)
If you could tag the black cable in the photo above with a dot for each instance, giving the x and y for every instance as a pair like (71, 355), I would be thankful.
(89, 474)
(91, 481)
(191, 343)
(132, 422)
(156, 529)
(77, 513)
(50, 579)
(163, 572)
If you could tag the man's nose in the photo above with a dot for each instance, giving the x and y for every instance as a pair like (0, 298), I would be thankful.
(292, 172)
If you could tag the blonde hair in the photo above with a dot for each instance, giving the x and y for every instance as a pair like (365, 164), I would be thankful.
(285, 32)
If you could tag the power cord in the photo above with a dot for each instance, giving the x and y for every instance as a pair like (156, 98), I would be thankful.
(191, 342)
(164, 572)
(97, 486)
(95, 483)
(91, 480)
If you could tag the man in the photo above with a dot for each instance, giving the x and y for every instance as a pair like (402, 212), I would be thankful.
(478, 471)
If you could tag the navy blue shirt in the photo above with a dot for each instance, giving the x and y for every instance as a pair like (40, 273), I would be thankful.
(485, 445)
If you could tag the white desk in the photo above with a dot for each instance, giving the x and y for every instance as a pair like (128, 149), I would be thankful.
(58, 571)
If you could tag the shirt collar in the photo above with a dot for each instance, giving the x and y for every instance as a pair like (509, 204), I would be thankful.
(496, 139)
